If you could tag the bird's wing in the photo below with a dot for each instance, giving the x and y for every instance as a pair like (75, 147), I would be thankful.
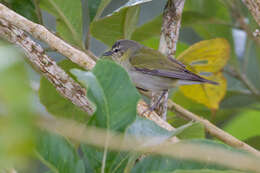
(150, 61)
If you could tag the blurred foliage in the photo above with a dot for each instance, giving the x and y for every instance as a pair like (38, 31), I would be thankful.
(16, 111)
(232, 105)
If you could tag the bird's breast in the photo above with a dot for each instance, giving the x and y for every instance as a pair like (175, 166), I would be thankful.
(150, 82)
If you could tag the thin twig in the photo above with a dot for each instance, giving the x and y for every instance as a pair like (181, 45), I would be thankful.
(64, 84)
(212, 129)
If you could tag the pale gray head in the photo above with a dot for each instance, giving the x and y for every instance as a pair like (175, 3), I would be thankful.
(122, 46)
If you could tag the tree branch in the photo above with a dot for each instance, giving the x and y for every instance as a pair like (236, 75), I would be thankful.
(65, 85)
(41, 33)
(168, 41)
(212, 129)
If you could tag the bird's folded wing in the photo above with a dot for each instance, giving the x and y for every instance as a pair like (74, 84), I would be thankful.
(152, 62)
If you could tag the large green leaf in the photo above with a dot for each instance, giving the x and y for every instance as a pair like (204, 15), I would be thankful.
(55, 103)
(68, 18)
(119, 25)
(148, 30)
(109, 86)
(244, 125)
(58, 154)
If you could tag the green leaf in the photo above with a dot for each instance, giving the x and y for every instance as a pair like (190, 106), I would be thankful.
(109, 86)
(58, 154)
(16, 109)
(96, 7)
(119, 25)
(115, 161)
(93, 7)
(194, 131)
(154, 134)
(55, 103)
(68, 18)
(253, 141)
(244, 125)
(238, 100)
(148, 30)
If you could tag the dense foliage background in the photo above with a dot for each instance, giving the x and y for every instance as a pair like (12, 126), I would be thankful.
(95, 25)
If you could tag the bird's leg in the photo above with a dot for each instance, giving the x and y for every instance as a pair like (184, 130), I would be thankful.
(156, 103)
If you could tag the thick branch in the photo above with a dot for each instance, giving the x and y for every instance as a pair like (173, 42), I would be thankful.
(65, 85)
(254, 8)
(212, 129)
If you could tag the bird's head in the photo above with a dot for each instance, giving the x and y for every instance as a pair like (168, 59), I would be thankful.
(121, 47)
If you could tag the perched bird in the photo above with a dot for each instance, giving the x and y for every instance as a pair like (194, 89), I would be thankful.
(151, 70)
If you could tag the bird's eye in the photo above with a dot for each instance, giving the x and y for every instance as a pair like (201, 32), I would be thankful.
(116, 50)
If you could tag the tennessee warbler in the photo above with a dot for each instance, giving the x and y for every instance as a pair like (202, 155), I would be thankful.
(151, 70)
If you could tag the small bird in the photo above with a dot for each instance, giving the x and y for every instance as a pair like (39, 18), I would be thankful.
(151, 70)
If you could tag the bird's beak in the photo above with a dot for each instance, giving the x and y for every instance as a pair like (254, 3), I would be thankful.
(108, 53)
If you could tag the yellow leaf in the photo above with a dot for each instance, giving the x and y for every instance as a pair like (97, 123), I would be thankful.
(207, 57)
(207, 94)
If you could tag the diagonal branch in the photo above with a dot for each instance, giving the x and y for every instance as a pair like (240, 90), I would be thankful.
(65, 85)
(41, 33)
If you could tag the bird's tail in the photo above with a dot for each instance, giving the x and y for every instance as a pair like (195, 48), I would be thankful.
(196, 79)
